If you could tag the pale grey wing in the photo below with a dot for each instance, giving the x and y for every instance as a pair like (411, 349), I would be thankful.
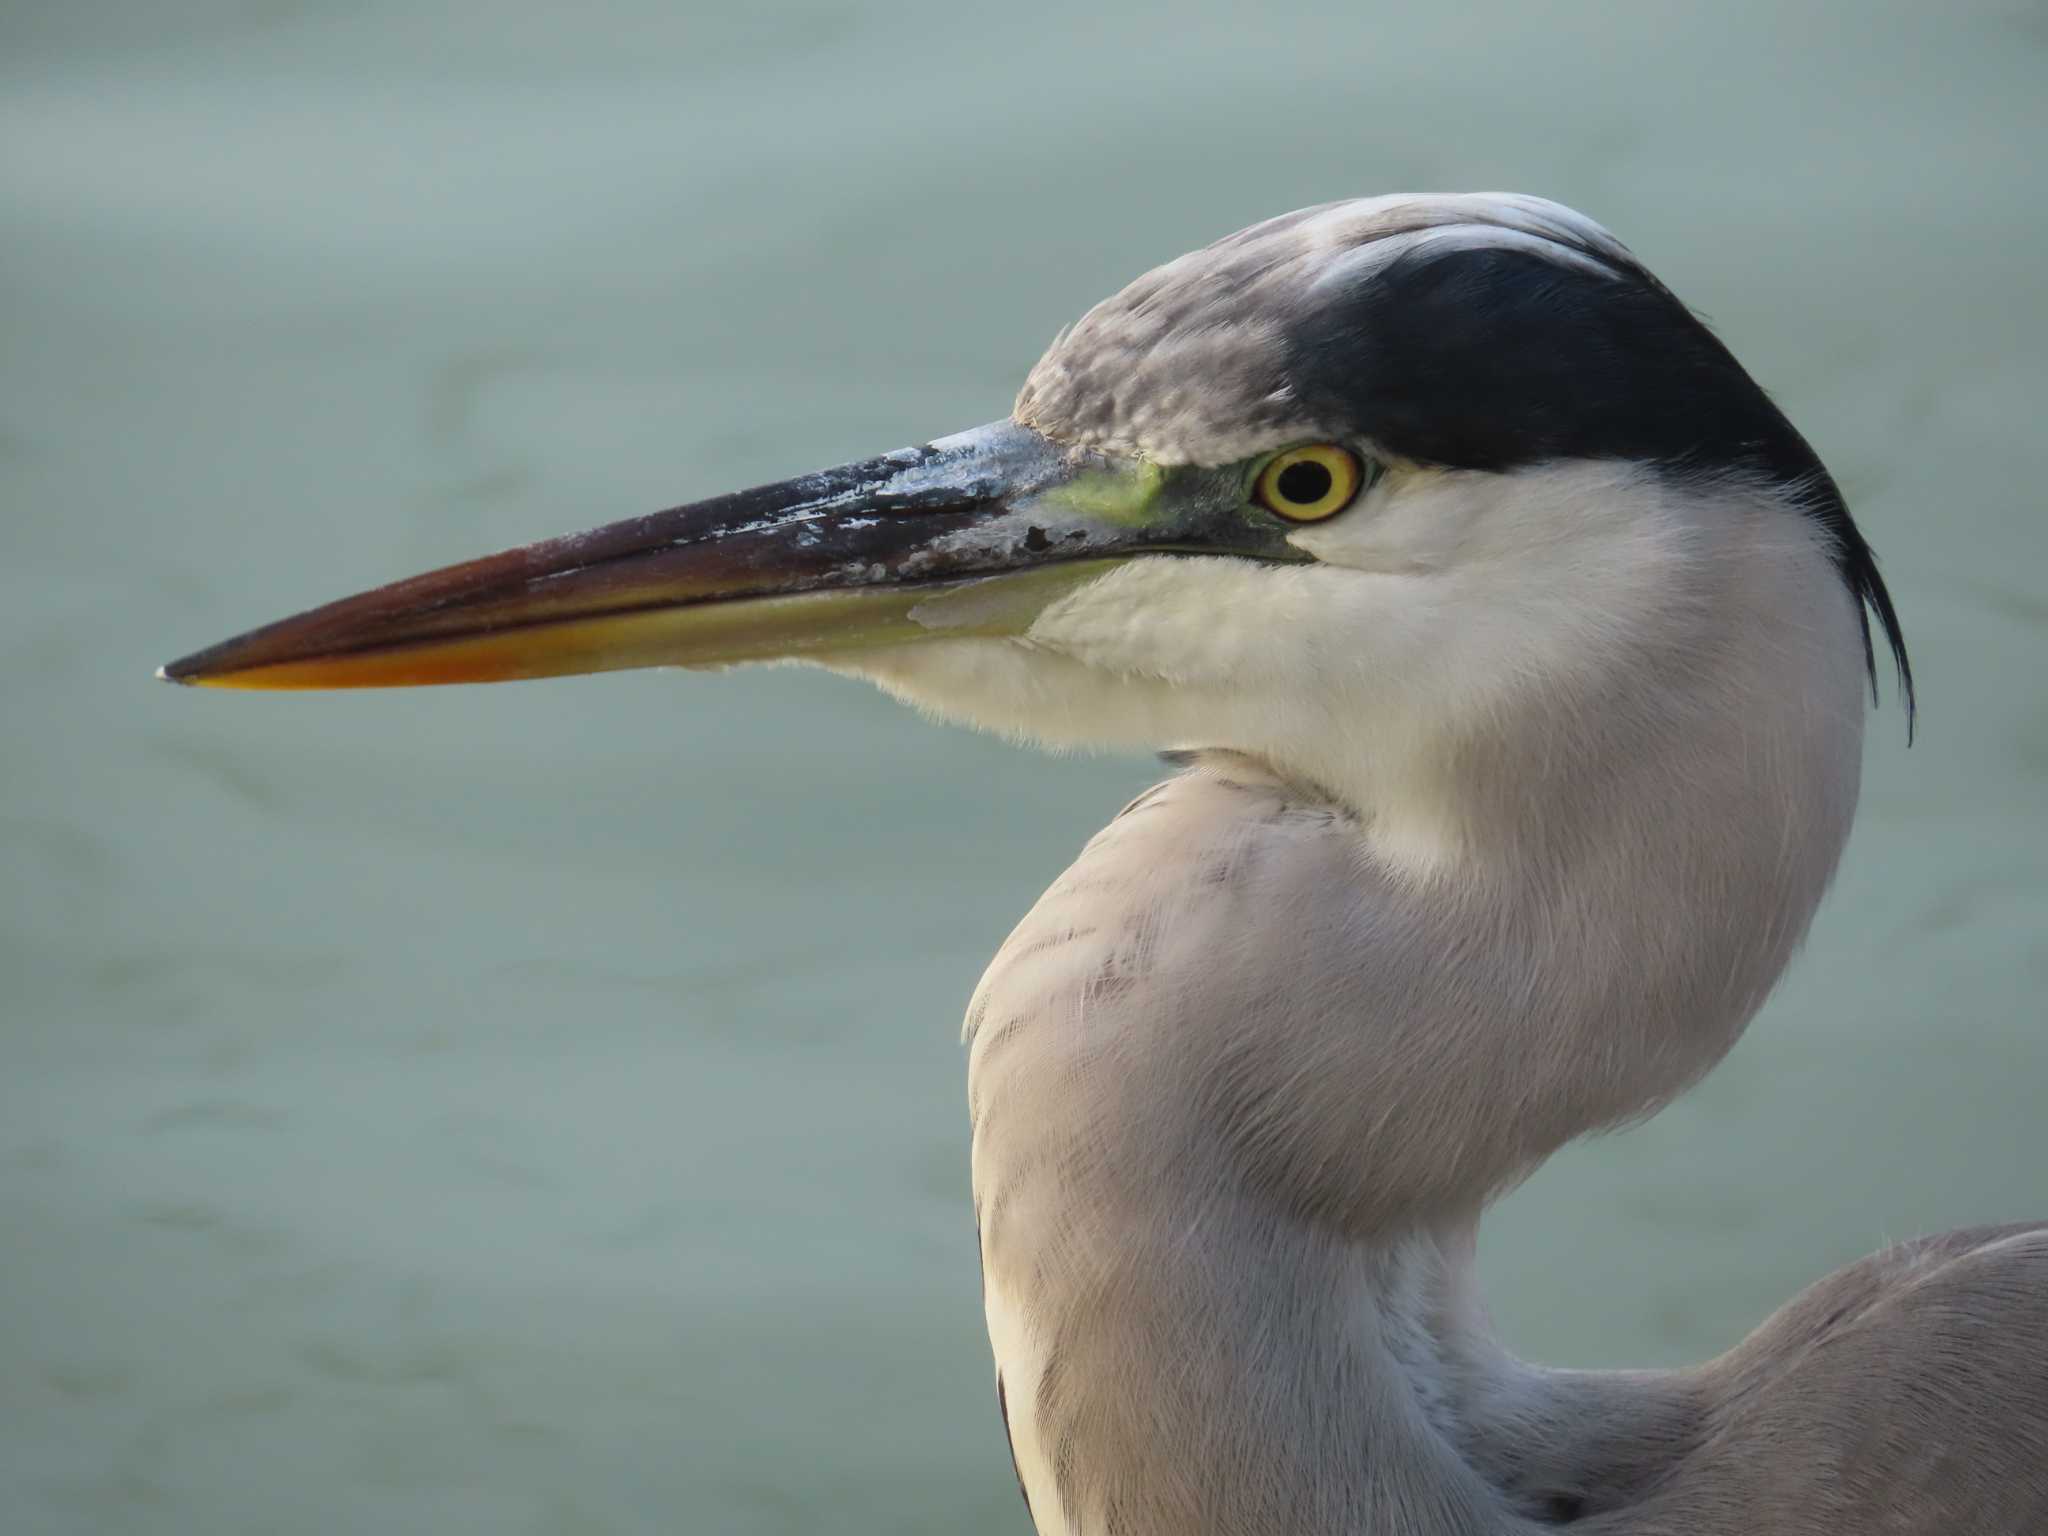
(1906, 1393)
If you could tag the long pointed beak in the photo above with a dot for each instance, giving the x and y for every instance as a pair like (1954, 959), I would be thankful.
(971, 534)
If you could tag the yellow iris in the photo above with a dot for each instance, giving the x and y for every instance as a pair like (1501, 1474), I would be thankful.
(1308, 484)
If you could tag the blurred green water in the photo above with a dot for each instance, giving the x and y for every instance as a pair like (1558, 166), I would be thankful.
(536, 1109)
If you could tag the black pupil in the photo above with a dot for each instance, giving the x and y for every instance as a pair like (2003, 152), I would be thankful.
(1304, 482)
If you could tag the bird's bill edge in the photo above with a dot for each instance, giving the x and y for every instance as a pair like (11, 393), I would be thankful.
(969, 535)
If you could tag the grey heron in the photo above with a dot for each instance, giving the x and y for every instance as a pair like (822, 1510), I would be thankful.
(1513, 650)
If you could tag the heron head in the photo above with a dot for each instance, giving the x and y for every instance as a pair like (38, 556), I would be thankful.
(1359, 477)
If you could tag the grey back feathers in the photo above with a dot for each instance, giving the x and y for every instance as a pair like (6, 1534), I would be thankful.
(1480, 331)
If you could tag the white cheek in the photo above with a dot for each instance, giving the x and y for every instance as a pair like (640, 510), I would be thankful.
(1185, 620)
(1159, 652)
(1016, 690)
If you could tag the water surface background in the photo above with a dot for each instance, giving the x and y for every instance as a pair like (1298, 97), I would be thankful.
(537, 1109)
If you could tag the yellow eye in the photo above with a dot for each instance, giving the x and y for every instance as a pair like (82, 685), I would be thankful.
(1306, 485)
